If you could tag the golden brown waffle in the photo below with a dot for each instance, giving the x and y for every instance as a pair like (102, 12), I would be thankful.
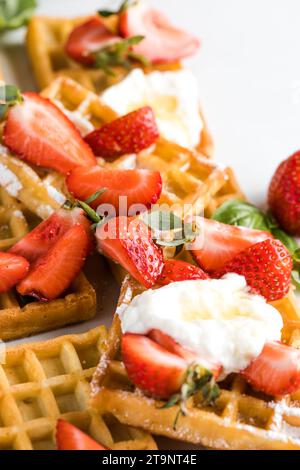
(46, 38)
(240, 418)
(26, 199)
(42, 382)
(188, 177)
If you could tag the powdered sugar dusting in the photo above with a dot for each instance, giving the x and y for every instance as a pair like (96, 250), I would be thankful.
(9, 181)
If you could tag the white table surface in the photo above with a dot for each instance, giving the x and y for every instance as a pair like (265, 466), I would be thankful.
(248, 70)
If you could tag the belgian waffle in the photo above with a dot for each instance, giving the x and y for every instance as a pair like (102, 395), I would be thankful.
(25, 198)
(42, 382)
(188, 177)
(240, 418)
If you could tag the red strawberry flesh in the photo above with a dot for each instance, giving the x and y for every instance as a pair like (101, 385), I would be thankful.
(69, 437)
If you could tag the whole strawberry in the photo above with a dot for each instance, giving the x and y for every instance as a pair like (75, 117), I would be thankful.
(267, 268)
(131, 133)
(284, 194)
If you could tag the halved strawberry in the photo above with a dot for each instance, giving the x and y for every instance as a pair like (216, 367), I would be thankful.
(87, 38)
(38, 242)
(267, 268)
(151, 367)
(176, 271)
(13, 269)
(68, 437)
(37, 131)
(162, 41)
(128, 241)
(284, 194)
(53, 273)
(142, 187)
(131, 133)
(161, 373)
(276, 371)
(168, 343)
(219, 243)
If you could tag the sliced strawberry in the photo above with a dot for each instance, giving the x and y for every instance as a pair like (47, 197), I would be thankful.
(152, 368)
(142, 187)
(37, 131)
(267, 268)
(131, 133)
(284, 194)
(168, 343)
(53, 273)
(219, 243)
(176, 271)
(162, 41)
(38, 242)
(128, 242)
(87, 38)
(68, 437)
(13, 269)
(276, 371)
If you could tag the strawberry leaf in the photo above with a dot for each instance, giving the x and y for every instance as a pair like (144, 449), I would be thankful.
(119, 53)
(15, 13)
(123, 7)
(10, 95)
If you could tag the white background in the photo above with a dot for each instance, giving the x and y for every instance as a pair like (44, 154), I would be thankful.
(249, 75)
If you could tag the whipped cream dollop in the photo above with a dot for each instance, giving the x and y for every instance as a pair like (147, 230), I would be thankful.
(174, 97)
(216, 318)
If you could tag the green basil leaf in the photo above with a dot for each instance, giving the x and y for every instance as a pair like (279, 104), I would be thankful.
(161, 221)
(15, 13)
(235, 212)
(243, 214)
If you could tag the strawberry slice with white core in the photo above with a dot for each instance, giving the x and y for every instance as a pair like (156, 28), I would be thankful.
(276, 371)
(13, 269)
(54, 272)
(138, 187)
(128, 242)
(38, 132)
(219, 243)
(68, 437)
(162, 41)
(88, 38)
(38, 242)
